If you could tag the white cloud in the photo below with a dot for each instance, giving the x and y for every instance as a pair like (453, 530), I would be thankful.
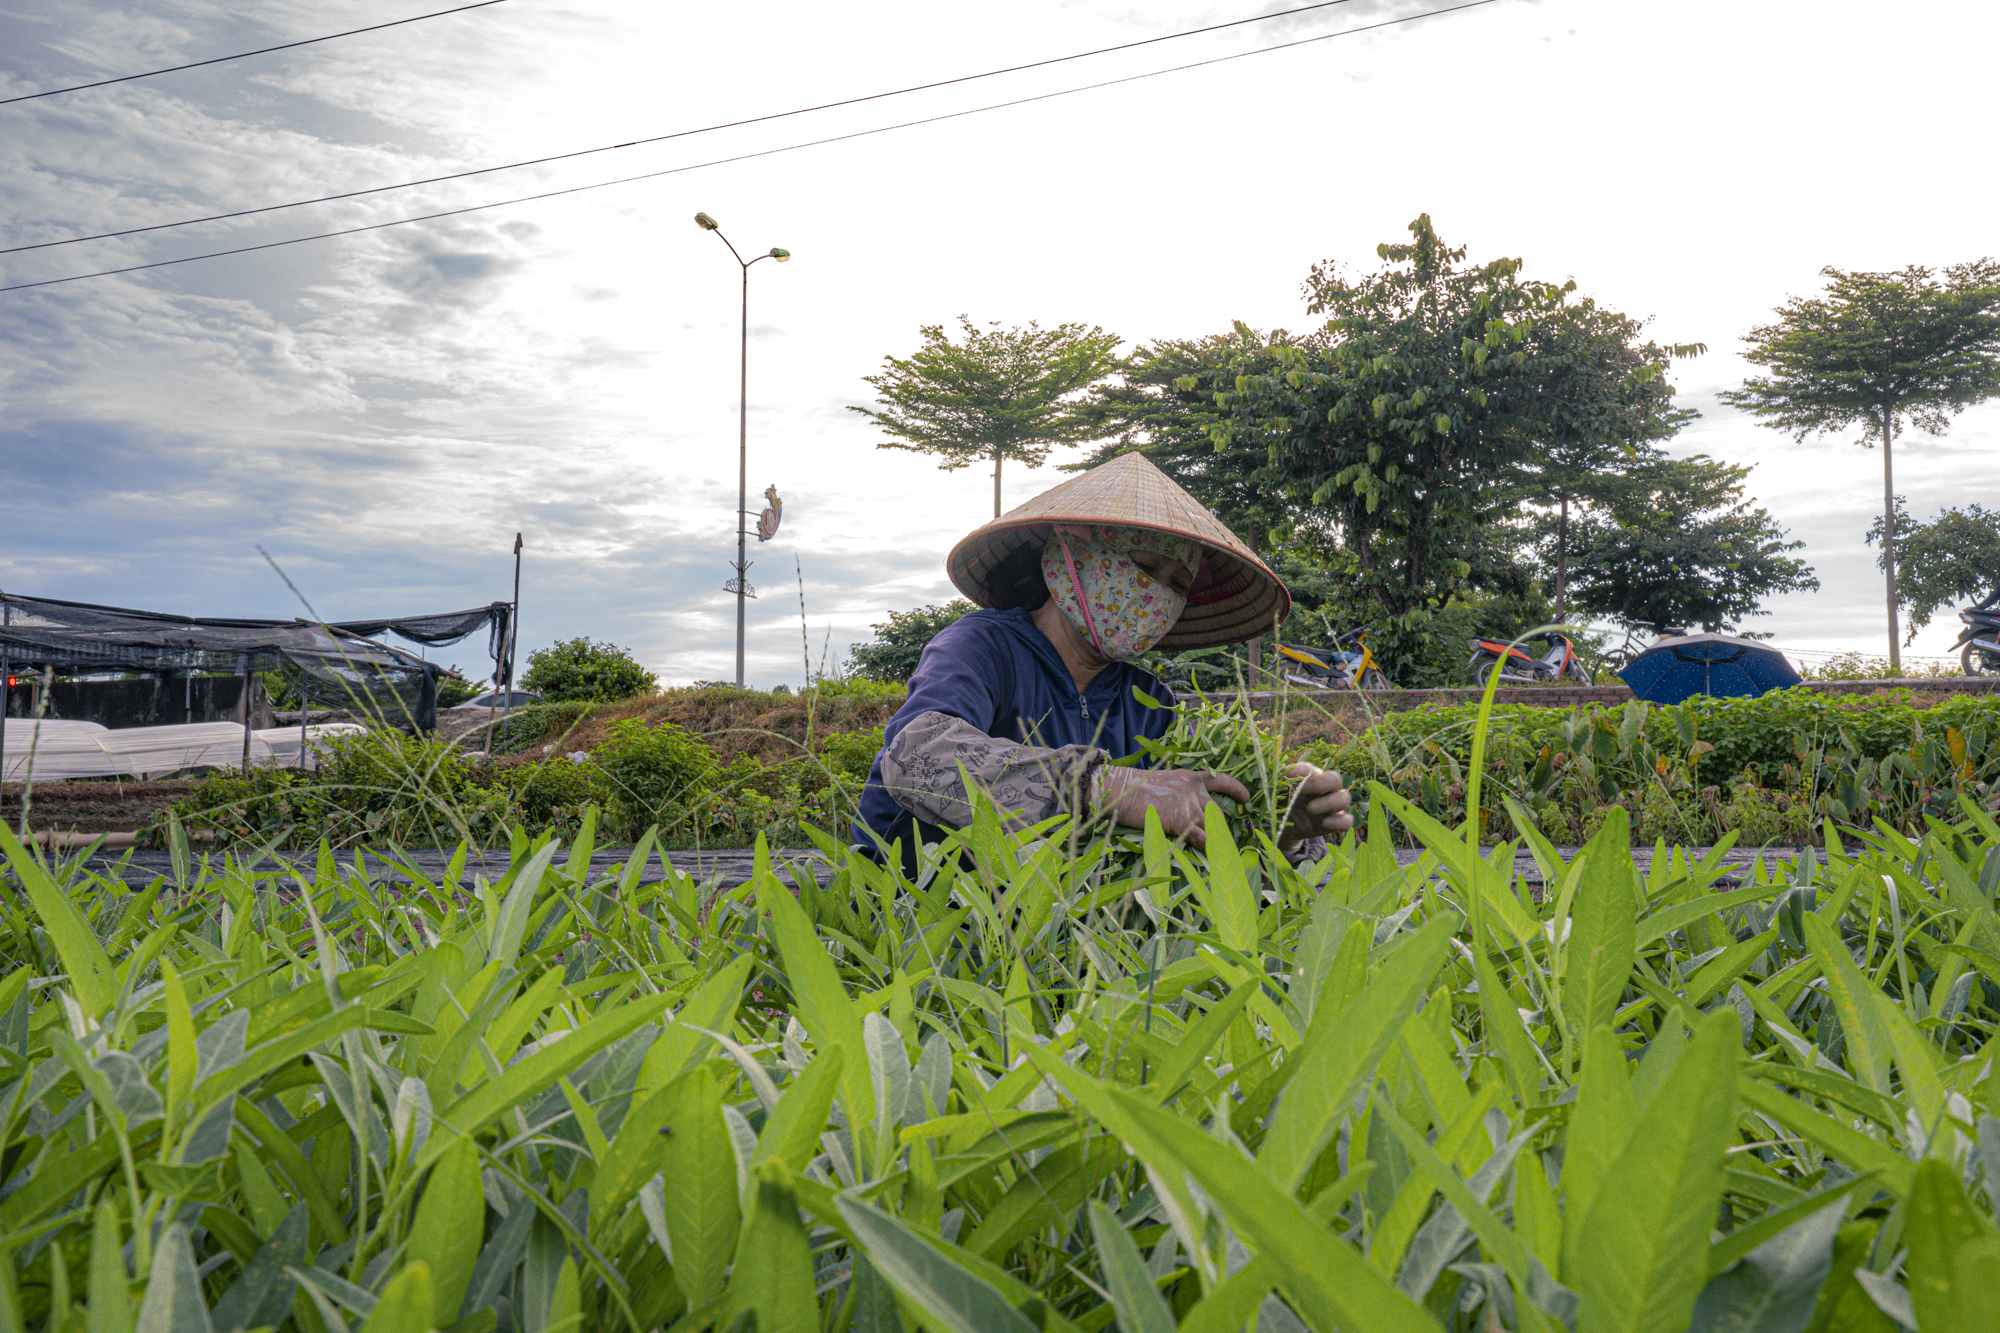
(384, 412)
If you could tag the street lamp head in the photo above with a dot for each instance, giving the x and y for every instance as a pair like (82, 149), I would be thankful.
(780, 255)
(706, 223)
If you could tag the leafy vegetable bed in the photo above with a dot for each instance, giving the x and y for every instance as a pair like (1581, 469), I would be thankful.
(1011, 1096)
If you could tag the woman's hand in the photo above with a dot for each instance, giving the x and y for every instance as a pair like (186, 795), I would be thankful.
(1320, 808)
(1180, 795)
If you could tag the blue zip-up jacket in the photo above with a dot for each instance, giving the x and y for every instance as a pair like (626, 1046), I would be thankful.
(997, 671)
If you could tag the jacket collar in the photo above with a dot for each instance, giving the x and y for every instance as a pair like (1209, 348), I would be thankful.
(1113, 680)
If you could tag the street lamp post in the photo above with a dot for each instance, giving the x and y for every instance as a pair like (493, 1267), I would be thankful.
(742, 580)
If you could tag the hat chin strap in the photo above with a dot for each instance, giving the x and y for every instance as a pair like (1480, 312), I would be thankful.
(1082, 602)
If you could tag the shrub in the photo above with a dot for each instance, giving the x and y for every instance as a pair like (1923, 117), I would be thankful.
(540, 724)
(652, 774)
(381, 787)
(852, 752)
(455, 690)
(899, 641)
(578, 669)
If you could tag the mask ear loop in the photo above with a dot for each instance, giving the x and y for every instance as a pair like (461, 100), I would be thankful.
(1083, 603)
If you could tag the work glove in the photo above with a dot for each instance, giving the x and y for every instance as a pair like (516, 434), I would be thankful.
(1180, 795)
(1319, 808)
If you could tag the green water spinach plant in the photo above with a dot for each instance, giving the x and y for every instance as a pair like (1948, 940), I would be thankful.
(1368, 1093)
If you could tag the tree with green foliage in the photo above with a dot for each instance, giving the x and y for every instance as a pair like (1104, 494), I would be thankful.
(1877, 351)
(997, 393)
(578, 669)
(1419, 419)
(1604, 405)
(1953, 557)
(1163, 406)
(899, 641)
(1679, 545)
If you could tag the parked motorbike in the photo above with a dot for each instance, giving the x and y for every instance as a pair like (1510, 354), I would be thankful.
(1516, 663)
(1347, 665)
(1979, 641)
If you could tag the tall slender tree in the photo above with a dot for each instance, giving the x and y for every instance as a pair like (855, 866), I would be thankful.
(1878, 351)
(996, 393)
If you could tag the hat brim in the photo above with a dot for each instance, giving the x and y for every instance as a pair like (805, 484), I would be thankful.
(1235, 596)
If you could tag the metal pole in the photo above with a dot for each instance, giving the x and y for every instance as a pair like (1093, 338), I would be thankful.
(243, 708)
(513, 628)
(6, 690)
(742, 473)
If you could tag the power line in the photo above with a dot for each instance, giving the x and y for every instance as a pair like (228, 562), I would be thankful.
(678, 134)
(744, 157)
(242, 55)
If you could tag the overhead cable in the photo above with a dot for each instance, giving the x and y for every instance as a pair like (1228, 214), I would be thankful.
(745, 157)
(677, 134)
(244, 55)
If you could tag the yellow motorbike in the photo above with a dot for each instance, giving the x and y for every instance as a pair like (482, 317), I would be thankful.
(1348, 665)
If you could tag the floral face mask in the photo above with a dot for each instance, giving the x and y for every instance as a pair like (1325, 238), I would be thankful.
(1119, 607)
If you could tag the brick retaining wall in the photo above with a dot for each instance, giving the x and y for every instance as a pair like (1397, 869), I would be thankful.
(1924, 691)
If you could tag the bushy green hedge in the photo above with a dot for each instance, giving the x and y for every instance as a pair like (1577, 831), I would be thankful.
(1770, 768)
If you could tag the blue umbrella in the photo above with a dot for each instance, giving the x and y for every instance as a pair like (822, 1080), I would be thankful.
(1718, 665)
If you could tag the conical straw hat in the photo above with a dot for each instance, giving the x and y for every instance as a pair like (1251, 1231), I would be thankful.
(1235, 596)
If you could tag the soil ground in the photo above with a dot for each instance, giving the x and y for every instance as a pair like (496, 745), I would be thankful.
(95, 805)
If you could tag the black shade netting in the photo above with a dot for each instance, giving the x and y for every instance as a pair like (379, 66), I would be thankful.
(339, 664)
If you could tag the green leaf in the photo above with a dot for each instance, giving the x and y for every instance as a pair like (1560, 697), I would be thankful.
(1600, 1125)
(1338, 1061)
(1327, 1279)
(1844, 1305)
(1225, 893)
(710, 1009)
(791, 1131)
(538, 1072)
(1975, 1283)
(1047, 1194)
(1644, 1251)
(1775, 1286)
(959, 1301)
(1141, 1308)
(173, 1293)
(1942, 1222)
(821, 1000)
(1603, 936)
(110, 1284)
(702, 1201)
(445, 1231)
(510, 924)
(773, 1276)
(405, 1304)
(1868, 1043)
(91, 977)
(263, 1294)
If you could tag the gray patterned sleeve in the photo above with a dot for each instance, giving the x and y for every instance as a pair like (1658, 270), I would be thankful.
(921, 770)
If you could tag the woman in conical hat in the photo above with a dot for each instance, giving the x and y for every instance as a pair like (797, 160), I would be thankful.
(1032, 697)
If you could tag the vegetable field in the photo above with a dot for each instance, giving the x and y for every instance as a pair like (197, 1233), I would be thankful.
(1051, 1086)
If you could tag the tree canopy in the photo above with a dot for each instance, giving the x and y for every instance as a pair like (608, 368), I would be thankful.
(1879, 351)
(891, 657)
(996, 393)
(1164, 407)
(1678, 545)
(1404, 437)
(1954, 557)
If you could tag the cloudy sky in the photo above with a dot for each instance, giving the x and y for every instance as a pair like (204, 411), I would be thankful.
(382, 412)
